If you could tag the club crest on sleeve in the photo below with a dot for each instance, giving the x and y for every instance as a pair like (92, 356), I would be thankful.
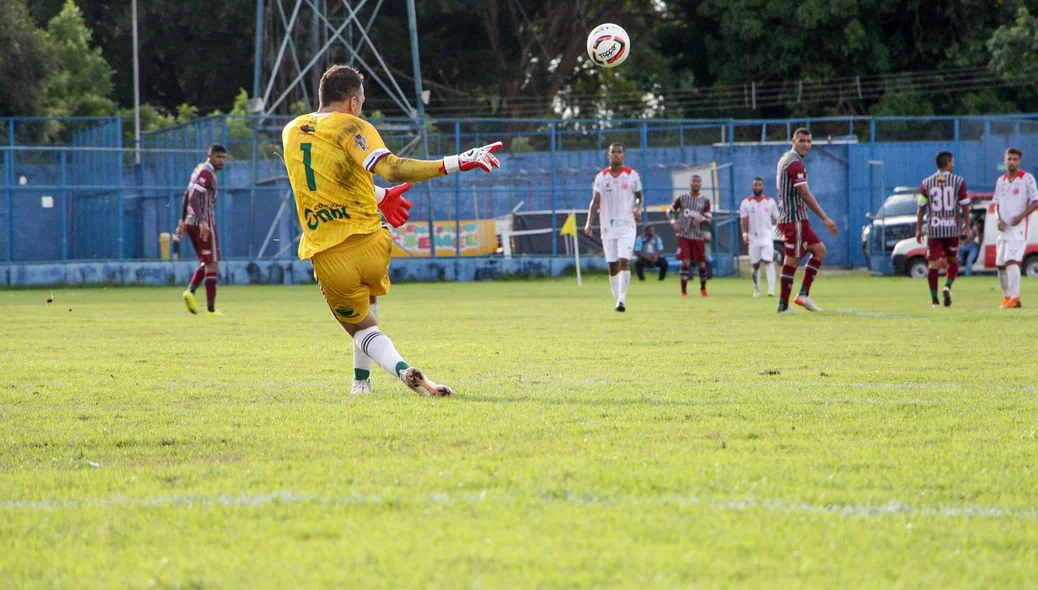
(361, 142)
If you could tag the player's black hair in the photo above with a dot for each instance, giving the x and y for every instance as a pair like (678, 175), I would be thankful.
(694, 176)
(217, 149)
(1016, 151)
(756, 178)
(943, 158)
(801, 131)
(340, 83)
(617, 143)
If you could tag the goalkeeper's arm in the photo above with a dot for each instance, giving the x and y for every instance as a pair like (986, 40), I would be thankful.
(396, 169)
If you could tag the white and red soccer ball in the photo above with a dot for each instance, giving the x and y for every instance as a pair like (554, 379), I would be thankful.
(608, 45)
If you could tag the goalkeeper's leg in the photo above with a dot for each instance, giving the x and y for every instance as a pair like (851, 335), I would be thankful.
(379, 347)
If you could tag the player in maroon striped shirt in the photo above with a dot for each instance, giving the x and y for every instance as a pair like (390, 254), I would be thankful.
(942, 196)
(688, 213)
(198, 221)
(794, 199)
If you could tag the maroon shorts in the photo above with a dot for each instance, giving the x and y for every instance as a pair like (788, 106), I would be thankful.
(208, 250)
(798, 236)
(941, 248)
(693, 250)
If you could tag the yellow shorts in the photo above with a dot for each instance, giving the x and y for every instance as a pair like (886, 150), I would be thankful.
(354, 271)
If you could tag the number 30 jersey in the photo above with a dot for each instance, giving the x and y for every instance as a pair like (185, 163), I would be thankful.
(330, 157)
(944, 194)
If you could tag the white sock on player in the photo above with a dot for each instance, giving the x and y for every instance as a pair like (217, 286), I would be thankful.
(625, 282)
(1003, 279)
(361, 361)
(614, 284)
(1013, 280)
(769, 269)
(380, 348)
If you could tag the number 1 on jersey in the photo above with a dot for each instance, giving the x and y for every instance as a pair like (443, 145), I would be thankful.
(311, 183)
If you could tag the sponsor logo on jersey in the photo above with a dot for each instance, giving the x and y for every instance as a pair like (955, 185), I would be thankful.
(345, 312)
(307, 128)
(315, 218)
(361, 142)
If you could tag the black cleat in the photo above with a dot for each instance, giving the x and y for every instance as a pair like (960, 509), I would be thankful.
(620, 307)
(947, 296)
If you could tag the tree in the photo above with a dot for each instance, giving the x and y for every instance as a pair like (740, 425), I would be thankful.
(519, 54)
(1014, 49)
(781, 43)
(191, 51)
(80, 84)
(26, 53)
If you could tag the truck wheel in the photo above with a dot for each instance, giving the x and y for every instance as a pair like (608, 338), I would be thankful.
(1031, 266)
(918, 267)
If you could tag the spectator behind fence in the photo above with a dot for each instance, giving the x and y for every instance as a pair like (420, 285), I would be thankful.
(970, 248)
(649, 248)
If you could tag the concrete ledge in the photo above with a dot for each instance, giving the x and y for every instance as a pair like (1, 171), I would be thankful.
(281, 272)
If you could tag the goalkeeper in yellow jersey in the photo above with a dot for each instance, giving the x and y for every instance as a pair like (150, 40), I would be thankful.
(331, 155)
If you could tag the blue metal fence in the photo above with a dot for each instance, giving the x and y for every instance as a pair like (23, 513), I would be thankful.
(72, 191)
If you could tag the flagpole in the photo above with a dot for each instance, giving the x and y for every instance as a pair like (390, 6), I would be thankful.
(576, 256)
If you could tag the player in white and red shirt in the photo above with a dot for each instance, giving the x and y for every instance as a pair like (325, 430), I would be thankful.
(941, 197)
(795, 199)
(688, 213)
(758, 214)
(1016, 197)
(617, 198)
(198, 221)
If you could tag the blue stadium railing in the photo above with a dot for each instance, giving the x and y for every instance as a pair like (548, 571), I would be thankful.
(78, 189)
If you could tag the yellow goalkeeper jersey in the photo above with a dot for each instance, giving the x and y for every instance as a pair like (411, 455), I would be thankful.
(330, 157)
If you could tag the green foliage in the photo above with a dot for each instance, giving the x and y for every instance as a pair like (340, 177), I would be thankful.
(1014, 49)
(81, 83)
(152, 119)
(25, 54)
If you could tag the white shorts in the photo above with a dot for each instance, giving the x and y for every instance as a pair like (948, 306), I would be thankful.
(1007, 251)
(762, 252)
(621, 247)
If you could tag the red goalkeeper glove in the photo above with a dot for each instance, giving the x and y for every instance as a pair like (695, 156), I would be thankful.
(393, 205)
(481, 157)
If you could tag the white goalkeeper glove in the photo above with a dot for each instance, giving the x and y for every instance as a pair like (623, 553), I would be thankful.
(481, 157)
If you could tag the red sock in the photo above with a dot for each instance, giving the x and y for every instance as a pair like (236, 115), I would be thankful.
(932, 278)
(810, 270)
(196, 280)
(210, 290)
(953, 271)
(788, 272)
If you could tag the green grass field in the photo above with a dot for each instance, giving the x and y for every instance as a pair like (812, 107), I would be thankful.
(686, 443)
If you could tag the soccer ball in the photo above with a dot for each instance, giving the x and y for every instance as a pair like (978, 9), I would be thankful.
(608, 45)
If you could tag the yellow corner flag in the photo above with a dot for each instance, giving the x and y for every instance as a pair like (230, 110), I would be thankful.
(570, 227)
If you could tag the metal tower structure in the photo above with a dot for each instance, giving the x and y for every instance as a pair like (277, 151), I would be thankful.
(296, 40)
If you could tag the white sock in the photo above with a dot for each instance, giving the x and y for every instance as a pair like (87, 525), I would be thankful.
(1003, 279)
(380, 348)
(625, 281)
(769, 269)
(361, 361)
(614, 284)
(1013, 280)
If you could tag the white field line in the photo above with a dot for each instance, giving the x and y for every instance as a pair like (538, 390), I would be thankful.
(872, 314)
(287, 498)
